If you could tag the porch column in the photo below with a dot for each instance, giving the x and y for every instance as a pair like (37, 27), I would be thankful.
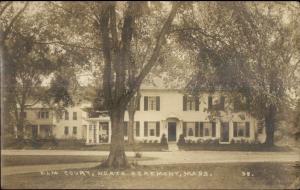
(87, 133)
(97, 132)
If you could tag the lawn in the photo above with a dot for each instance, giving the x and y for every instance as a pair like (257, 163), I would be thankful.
(187, 176)
(20, 160)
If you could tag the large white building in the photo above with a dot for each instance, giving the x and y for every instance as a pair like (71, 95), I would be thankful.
(161, 111)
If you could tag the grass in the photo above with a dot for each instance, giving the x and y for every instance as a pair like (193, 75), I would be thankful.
(234, 147)
(21, 160)
(220, 176)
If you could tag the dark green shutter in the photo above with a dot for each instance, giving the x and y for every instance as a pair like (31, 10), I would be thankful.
(197, 129)
(146, 129)
(201, 129)
(222, 103)
(213, 129)
(157, 128)
(184, 129)
(157, 103)
(247, 129)
(137, 128)
(145, 103)
(197, 103)
(184, 103)
(235, 131)
(209, 102)
(125, 128)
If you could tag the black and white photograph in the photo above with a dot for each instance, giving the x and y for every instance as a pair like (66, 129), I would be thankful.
(150, 94)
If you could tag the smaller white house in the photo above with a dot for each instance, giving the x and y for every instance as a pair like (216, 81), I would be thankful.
(167, 112)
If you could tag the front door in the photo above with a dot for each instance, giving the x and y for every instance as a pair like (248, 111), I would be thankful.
(224, 132)
(172, 131)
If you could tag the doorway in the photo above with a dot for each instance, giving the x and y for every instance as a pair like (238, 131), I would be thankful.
(224, 132)
(172, 131)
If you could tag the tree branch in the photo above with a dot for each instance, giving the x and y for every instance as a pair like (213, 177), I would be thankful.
(5, 6)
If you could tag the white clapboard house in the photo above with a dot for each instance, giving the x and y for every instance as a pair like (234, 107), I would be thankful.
(161, 111)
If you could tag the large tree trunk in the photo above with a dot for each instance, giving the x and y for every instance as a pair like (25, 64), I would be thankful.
(130, 128)
(117, 157)
(270, 125)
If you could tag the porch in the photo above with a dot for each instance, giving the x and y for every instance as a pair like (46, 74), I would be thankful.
(38, 131)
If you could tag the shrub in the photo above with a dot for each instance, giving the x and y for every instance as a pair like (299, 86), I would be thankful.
(181, 140)
(163, 140)
(150, 141)
(155, 141)
(232, 141)
(145, 141)
(199, 141)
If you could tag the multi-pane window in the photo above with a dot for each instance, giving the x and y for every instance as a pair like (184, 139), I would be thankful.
(43, 114)
(190, 128)
(190, 103)
(66, 115)
(218, 104)
(74, 115)
(151, 103)
(241, 103)
(66, 131)
(74, 130)
(241, 129)
(151, 128)
(207, 129)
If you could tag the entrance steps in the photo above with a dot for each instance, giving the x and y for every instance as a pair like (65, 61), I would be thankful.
(173, 147)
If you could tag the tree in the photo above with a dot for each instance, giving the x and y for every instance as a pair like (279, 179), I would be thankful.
(247, 48)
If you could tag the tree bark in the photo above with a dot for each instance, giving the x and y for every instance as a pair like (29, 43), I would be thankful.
(131, 128)
(117, 157)
(270, 125)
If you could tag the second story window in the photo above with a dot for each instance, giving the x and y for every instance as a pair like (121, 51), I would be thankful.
(74, 115)
(151, 103)
(66, 115)
(43, 115)
(190, 103)
(219, 104)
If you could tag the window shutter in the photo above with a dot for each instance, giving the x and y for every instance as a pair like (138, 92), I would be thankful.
(125, 128)
(197, 103)
(247, 129)
(235, 131)
(138, 104)
(184, 129)
(214, 129)
(197, 129)
(157, 103)
(184, 103)
(137, 128)
(145, 103)
(201, 129)
(157, 128)
(209, 102)
(222, 103)
(145, 129)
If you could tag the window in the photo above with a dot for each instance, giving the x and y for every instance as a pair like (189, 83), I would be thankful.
(43, 114)
(219, 104)
(191, 128)
(66, 132)
(74, 115)
(241, 129)
(151, 103)
(190, 103)
(241, 104)
(152, 128)
(207, 129)
(66, 115)
(260, 127)
(74, 130)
